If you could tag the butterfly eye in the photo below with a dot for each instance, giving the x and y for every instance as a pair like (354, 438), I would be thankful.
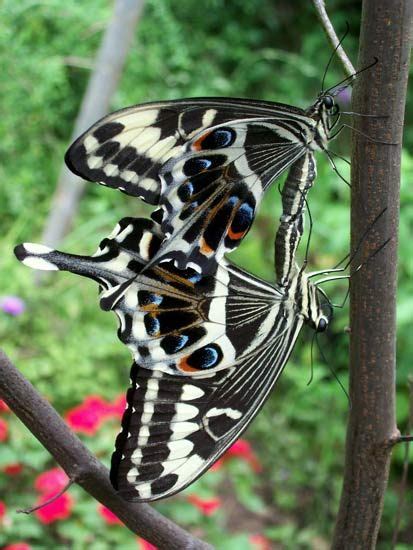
(322, 325)
(328, 102)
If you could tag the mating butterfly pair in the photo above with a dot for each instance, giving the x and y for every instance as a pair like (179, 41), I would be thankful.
(208, 339)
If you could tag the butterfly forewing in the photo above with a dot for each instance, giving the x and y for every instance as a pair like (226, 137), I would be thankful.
(174, 429)
(127, 148)
(212, 191)
(205, 162)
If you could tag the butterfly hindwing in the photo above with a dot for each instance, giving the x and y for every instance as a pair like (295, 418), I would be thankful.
(176, 427)
(207, 351)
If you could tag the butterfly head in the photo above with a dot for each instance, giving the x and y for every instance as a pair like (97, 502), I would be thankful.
(322, 112)
(320, 319)
(316, 307)
(327, 102)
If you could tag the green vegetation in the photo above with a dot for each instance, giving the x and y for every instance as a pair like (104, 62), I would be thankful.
(68, 348)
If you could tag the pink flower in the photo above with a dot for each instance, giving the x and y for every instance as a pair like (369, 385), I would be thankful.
(118, 405)
(58, 509)
(242, 449)
(88, 417)
(109, 517)
(18, 546)
(205, 505)
(2, 510)
(217, 465)
(13, 305)
(3, 406)
(4, 430)
(145, 545)
(259, 542)
(13, 469)
(51, 482)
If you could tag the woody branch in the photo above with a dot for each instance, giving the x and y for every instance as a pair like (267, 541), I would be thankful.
(386, 34)
(82, 466)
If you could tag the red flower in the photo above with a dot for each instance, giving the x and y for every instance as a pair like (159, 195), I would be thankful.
(88, 417)
(205, 505)
(3, 406)
(51, 482)
(18, 546)
(2, 510)
(109, 517)
(118, 406)
(145, 545)
(243, 450)
(259, 542)
(13, 469)
(217, 465)
(4, 430)
(58, 509)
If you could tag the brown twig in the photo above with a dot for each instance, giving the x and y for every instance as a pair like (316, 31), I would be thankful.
(403, 482)
(320, 8)
(82, 466)
(103, 82)
(48, 501)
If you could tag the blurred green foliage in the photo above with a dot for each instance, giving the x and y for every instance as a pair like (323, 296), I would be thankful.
(68, 348)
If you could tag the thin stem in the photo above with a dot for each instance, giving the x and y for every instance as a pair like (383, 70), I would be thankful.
(320, 8)
(403, 483)
(48, 501)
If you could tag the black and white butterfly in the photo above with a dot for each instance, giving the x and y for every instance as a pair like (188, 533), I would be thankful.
(207, 350)
(206, 162)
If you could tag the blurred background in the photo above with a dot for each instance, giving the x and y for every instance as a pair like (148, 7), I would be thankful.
(279, 486)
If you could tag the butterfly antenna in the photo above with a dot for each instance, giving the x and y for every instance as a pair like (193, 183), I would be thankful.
(333, 55)
(348, 80)
(310, 231)
(335, 169)
(311, 360)
(360, 133)
(339, 157)
(333, 372)
(379, 249)
(350, 257)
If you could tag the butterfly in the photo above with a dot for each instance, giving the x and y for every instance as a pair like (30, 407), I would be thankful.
(207, 349)
(205, 162)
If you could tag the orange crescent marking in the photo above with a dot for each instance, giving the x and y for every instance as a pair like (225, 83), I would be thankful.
(183, 365)
(205, 248)
(235, 236)
(197, 145)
